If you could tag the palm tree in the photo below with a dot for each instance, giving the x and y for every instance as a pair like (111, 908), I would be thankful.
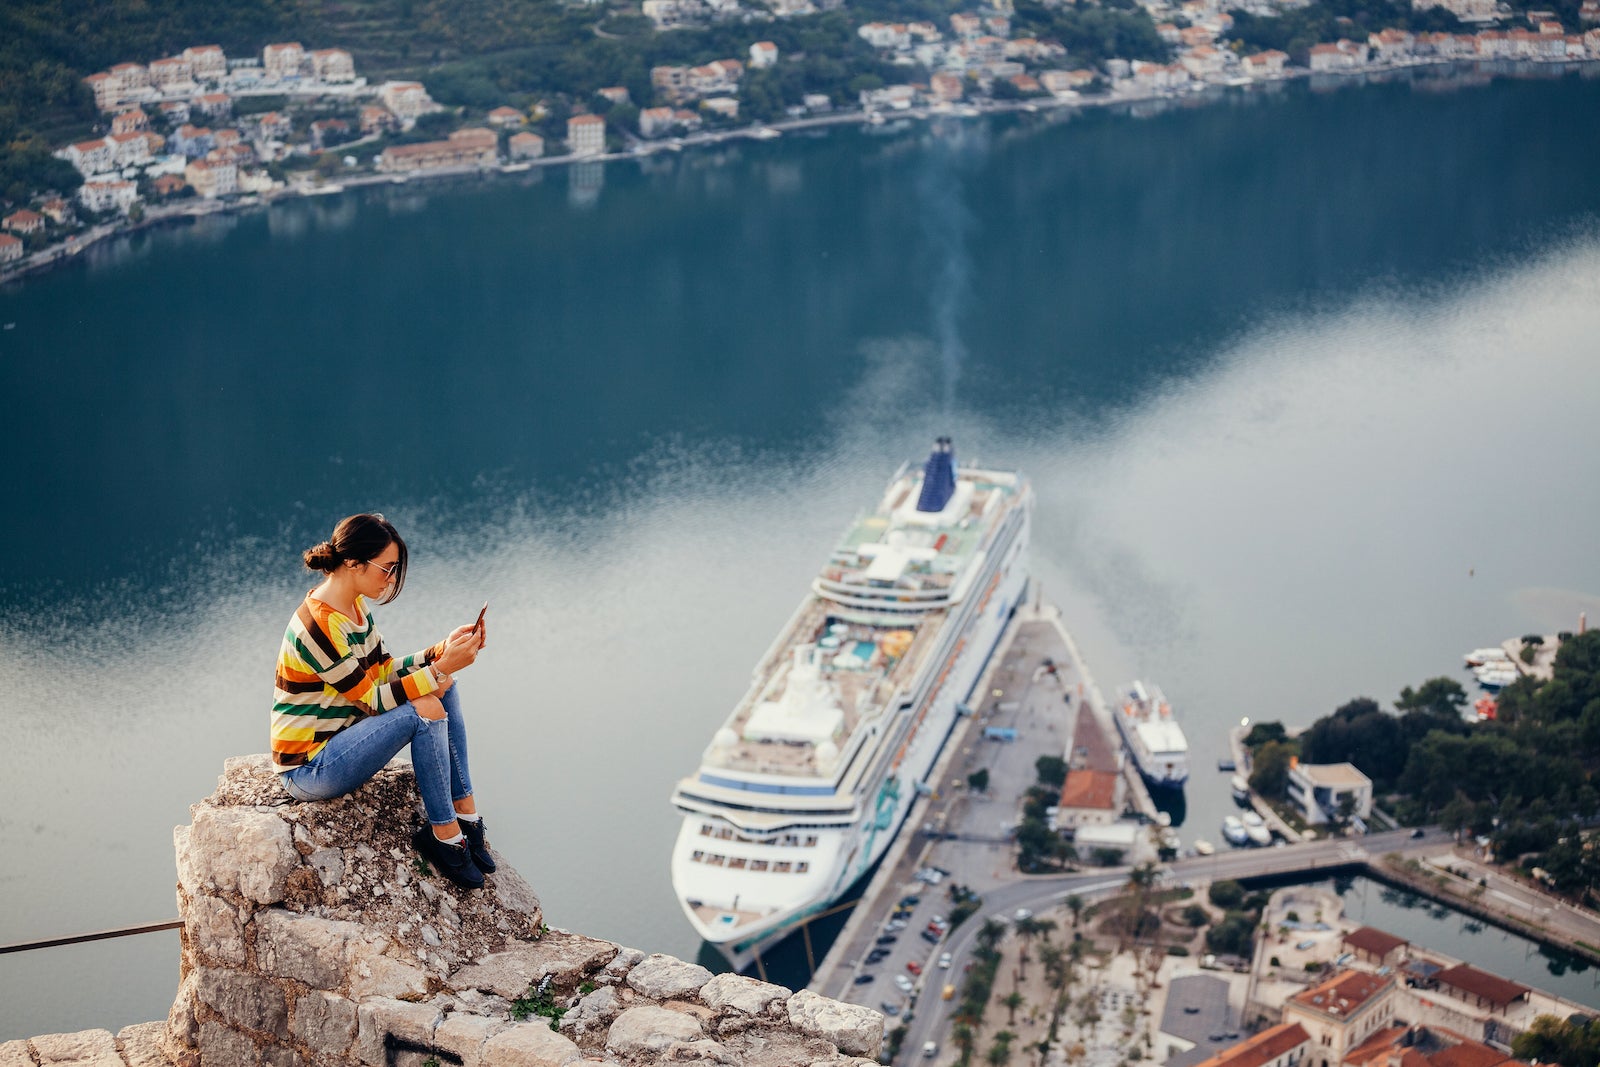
(1045, 928)
(1012, 1001)
(1052, 957)
(990, 933)
(1075, 905)
(998, 1055)
(964, 1037)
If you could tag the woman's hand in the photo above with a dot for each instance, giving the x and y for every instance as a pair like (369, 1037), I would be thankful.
(460, 650)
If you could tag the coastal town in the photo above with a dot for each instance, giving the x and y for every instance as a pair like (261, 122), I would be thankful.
(201, 130)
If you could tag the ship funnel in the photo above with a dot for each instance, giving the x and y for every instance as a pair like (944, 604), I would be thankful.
(938, 477)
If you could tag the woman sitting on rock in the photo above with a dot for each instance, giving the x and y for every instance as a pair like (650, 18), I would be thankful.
(345, 706)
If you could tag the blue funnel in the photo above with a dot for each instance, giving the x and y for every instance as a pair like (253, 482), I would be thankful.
(938, 477)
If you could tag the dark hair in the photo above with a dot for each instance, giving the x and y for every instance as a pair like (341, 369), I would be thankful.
(360, 538)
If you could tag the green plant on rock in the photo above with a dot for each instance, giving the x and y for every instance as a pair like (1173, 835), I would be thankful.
(538, 1000)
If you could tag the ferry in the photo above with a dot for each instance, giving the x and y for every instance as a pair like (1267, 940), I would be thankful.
(807, 782)
(1153, 737)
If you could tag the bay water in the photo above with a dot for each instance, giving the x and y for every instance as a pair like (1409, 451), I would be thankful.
(1305, 382)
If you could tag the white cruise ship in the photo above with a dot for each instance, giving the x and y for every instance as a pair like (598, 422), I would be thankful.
(1153, 737)
(807, 782)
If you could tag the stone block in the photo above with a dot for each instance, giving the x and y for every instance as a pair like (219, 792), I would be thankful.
(223, 1046)
(662, 977)
(739, 993)
(531, 1044)
(855, 1030)
(244, 1000)
(187, 880)
(648, 1028)
(324, 1022)
(86, 1048)
(250, 853)
(15, 1054)
(214, 931)
(563, 956)
(372, 974)
(141, 1045)
(379, 1018)
(465, 1035)
(304, 947)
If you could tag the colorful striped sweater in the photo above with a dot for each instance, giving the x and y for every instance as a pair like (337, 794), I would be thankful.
(333, 670)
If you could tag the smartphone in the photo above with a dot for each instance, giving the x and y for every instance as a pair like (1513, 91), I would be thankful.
(477, 627)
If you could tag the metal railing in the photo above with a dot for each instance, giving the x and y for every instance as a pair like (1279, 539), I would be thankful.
(97, 935)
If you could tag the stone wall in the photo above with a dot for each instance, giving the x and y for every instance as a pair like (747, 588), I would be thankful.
(313, 934)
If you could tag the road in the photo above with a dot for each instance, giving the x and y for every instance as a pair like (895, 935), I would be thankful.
(932, 1019)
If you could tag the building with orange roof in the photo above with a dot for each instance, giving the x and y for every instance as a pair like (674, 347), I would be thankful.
(586, 135)
(1374, 945)
(24, 222)
(1342, 1012)
(1284, 1045)
(10, 248)
(1089, 797)
(1424, 1046)
(1480, 988)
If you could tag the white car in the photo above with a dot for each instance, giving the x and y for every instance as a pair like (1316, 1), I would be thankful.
(904, 983)
(944, 961)
(1023, 914)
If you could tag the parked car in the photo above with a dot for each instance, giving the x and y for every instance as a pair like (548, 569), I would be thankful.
(904, 983)
(930, 937)
(887, 939)
(911, 901)
(889, 1009)
(914, 967)
(863, 979)
(896, 924)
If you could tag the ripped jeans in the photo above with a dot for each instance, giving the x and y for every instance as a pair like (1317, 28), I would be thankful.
(360, 750)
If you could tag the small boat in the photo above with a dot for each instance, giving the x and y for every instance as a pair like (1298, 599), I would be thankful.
(1496, 679)
(1259, 836)
(1227, 766)
(1202, 847)
(1480, 656)
(1241, 789)
(1487, 708)
(1253, 818)
(1233, 831)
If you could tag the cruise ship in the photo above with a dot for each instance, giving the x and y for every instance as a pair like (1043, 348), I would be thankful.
(808, 781)
(1153, 737)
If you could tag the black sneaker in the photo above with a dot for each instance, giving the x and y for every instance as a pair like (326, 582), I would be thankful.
(453, 861)
(477, 845)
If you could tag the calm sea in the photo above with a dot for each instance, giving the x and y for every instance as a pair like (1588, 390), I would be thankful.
(1305, 382)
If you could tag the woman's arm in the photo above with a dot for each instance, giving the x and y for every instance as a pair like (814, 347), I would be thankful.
(356, 665)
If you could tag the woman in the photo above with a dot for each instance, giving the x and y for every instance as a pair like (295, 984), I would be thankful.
(344, 706)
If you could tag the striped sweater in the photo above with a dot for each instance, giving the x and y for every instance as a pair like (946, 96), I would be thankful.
(333, 670)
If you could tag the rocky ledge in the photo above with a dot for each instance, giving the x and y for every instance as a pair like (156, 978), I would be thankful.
(314, 935)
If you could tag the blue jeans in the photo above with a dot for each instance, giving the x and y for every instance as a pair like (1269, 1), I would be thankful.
(360, 750)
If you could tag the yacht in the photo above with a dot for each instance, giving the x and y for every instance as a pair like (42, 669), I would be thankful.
(1153, 737)
(1233, 831)
(812, 775)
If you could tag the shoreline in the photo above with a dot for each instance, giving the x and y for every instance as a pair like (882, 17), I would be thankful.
(1206, 92)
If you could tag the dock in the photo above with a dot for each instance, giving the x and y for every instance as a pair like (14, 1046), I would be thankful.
(964, 837)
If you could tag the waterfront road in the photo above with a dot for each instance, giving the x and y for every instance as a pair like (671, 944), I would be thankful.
(931, 1020)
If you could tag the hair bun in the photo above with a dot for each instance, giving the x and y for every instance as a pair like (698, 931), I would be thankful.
(321, 557)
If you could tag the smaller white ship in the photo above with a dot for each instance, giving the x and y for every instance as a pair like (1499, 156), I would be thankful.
(1495, 675)
(1153, 737)
(1233, 831)
(1480, 656)
(1255, 828)
(1241, 789)
(1202, 847)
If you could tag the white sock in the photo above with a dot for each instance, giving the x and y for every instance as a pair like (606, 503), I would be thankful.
(456, 840)
(463, 817)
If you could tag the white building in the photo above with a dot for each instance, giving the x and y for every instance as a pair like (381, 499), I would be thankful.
(333, 66)
(108, 195)
(407, 100)
(10, 248)
(763, 54)
(212, 179)
(1319, 789)
(586, 135)
(207, 61)
(89, 157)
(283, 60)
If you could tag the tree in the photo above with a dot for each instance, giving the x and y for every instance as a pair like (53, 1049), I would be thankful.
(1554, 1040)
(964, 1036)
(1262, 732)
(1012, 1001)
(1051, 770)
(978, 780)
(1269, 776)
(1075, 905)
(990, 933)
(1443, 696)
(1226, 894)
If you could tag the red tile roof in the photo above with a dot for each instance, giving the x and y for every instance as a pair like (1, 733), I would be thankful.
(1496, 990)
(1261, 1049)
(1370, 939)
(1089, 789)
(1342, 995)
